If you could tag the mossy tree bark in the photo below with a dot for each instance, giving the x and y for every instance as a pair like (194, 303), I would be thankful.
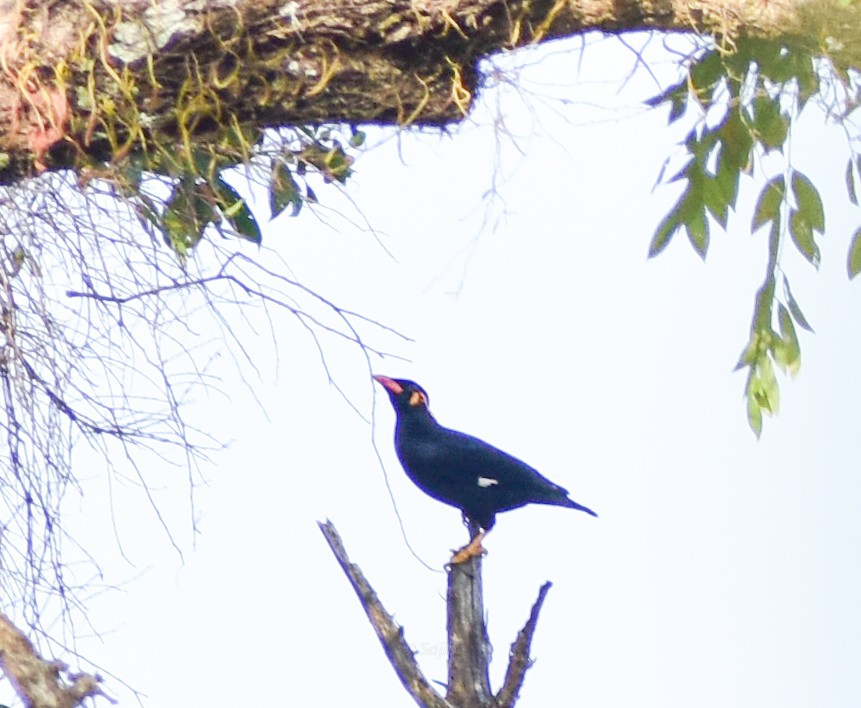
(84, 83)
(185, 88)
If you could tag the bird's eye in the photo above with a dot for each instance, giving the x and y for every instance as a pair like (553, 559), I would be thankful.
(417, 398)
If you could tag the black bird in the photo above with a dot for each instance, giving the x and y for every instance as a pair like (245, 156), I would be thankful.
(461, 470)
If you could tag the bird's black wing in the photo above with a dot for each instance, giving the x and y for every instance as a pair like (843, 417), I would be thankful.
(488, 472)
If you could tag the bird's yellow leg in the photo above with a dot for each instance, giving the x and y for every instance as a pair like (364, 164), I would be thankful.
(473, 549)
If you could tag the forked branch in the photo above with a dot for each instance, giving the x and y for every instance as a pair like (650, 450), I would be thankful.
(468, 643)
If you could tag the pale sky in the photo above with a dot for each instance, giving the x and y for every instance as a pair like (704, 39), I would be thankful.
(723, 571)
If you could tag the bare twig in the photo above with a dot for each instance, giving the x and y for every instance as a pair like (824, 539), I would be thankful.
(519, 660)
(391, 635)
(107, 341)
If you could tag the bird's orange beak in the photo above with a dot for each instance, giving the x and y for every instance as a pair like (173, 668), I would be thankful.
(389, 384)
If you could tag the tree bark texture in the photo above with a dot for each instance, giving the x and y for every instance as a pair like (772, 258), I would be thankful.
(468, 644)
(41, 683)
(391, 636)
(84, 82)
(469, 649)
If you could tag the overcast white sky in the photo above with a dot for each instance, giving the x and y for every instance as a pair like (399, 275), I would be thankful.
(722, 571)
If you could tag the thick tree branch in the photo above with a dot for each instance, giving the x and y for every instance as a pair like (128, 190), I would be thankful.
(82, 83)
(38, 682)
(391, 636)
(469, 649)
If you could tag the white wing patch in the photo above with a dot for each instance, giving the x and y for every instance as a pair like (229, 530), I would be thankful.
(485, 482)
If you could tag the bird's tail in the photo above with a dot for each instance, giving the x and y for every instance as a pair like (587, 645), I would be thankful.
(574, 505)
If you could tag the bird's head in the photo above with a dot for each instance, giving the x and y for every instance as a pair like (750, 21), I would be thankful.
(406, 396)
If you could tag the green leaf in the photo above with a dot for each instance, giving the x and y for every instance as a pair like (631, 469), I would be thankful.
(665, 231)
(768, 205)
(774, 64)
(684, 172)
(787, 356)
(698, 233)
(147, 214)
(850, 183)
(691, 206)
(700, 143)
(750, 353)
(727, 177)
(678, 88)
(226, 196)
(769, 393)
(801, 66)
(737, 141)
(707, 69)
(768, 122)
(754, 410)
(853, 262)
(704, 75)
(794, 309)
(765, 52)
(186, 216)
(676, 96)
(677, 108)
(235, 209)
(762, 311)
(808, 201)
(715, 201)
(283, 190)
(802, 236)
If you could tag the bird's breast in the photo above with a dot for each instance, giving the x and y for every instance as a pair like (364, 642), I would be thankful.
(417, 452)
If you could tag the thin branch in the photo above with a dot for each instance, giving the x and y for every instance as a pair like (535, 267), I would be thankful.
(391, 635)
(519, 661)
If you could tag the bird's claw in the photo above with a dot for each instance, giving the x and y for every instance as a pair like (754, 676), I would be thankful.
(465, 553)
(473, 549)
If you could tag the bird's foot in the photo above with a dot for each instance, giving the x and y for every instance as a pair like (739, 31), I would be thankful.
(473, 549)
